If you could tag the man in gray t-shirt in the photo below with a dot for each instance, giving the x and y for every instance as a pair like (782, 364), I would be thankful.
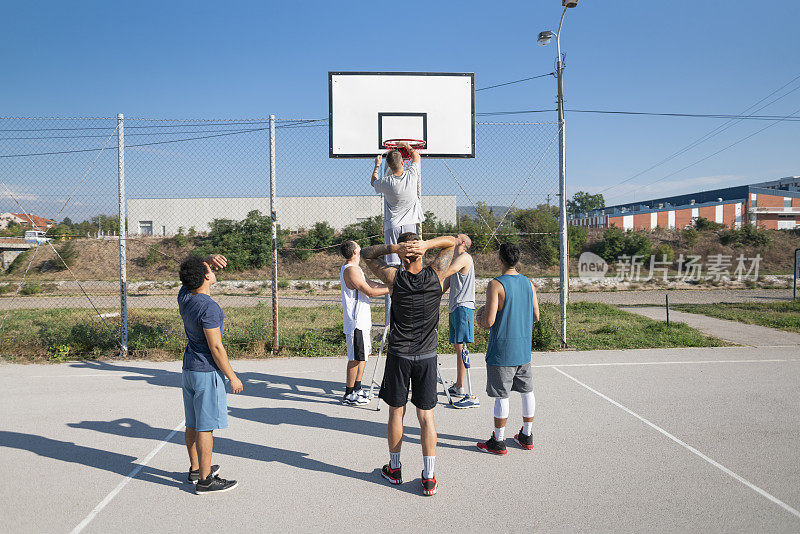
(402, 209)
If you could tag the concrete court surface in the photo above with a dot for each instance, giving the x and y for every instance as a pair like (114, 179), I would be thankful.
(640, 440)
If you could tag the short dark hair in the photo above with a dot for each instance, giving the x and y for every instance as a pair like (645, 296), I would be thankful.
(407, 236)
(509, 254)
(394, 160)
(193, 272)
(348, 248)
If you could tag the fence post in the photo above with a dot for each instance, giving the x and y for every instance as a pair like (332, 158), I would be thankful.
(274, 230)
(123, 275)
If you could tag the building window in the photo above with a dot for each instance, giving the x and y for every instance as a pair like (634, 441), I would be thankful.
(753, 202)
(146, 227)
(787, 202)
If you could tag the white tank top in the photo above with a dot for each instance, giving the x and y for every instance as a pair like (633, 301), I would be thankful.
(355, 305)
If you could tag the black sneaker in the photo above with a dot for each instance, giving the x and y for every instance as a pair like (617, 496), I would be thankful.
(526, 442)
(194, 475)
(214, 485)
(493, 446)
(395, 476)
(429, 485)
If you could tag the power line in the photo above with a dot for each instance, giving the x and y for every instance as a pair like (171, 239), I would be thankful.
(713, 133)
(647, 113)
(515, 81)
(712, 155)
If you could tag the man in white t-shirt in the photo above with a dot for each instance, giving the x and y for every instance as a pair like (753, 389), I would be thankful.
(402, 209)
(356, 319)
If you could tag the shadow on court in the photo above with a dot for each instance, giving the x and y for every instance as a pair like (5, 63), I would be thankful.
(66, 451)
(132, 428)
(261, 385)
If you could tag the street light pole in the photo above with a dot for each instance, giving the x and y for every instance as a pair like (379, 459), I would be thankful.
(544, 38)
(562, 190)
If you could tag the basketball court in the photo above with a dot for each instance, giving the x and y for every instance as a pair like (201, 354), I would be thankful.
(667, 440)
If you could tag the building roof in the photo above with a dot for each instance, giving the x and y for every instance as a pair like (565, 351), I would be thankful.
(701, 198)
(39, 222)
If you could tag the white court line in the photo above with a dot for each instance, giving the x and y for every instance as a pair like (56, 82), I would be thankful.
(110, 497)
(688, 447)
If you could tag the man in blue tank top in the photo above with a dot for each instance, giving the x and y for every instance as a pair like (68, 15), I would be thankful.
(510, 311)
(416, 293)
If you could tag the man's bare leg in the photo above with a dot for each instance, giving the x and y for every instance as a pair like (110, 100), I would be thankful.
(190, 436)
(461, 370)
(205, 446)
(394, 430)
(427, 432)
(352, 373)
(360, 372)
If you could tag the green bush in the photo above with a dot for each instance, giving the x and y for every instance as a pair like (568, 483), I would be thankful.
(664, 250)
(31, 288)
(432, 227)
(701, 223)
(539, 229)
(747, 235)
(617, 242)
(319, 237)
(7, 288)
(246, 243)
(576, 238)
(690, 236)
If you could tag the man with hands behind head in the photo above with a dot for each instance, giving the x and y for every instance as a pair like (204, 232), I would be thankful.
(416, 292)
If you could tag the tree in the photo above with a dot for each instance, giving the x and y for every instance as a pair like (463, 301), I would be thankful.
(583, 202)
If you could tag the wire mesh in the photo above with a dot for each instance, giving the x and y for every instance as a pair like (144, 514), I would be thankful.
(202, 186)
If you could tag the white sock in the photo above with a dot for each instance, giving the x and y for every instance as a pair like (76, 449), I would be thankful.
(429, 462)
(500, 433)
(527, 428)
(394, 460)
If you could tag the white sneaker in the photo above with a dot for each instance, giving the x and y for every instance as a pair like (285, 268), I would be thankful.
(363, 393)
(357, 400)
(456, 392)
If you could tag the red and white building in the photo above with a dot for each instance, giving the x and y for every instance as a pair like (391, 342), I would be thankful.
(773, 205)
(39, 223)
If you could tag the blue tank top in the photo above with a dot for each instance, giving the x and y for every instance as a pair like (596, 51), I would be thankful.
(511, 335)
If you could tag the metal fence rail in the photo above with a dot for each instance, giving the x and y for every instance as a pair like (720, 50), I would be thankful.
(121, 201)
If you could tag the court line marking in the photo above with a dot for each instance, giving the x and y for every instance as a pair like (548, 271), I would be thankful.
(111, 374)
(110, 497)
(688, 447)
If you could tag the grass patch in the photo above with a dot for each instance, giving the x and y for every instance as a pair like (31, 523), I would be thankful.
(156, 334)
(780, 315)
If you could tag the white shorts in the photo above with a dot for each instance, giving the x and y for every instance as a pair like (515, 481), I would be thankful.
(359, 345)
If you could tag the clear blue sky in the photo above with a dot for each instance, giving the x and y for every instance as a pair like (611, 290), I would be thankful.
(250, 59)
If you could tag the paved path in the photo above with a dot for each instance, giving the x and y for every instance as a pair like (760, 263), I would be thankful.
(736, 332)
(622, 298)
(627, 441)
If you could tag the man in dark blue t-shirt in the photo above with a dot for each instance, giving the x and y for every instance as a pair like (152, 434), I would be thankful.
(205, 366)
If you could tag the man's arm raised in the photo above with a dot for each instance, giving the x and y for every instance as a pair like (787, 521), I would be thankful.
(441, 263)
(415, 157)
(376, 170)
(373, 257)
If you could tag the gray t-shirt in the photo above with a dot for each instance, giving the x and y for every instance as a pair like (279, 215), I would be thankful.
(401, 205)
(462, 290)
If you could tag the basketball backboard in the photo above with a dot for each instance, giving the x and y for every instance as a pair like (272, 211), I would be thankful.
(367, 108)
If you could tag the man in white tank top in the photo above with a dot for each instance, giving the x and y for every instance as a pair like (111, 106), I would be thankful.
(356, 319)
(462, 316)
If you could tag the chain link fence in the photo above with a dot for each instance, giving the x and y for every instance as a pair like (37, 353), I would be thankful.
(202, 186)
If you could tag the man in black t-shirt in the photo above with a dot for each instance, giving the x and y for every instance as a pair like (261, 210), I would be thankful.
(416, 293)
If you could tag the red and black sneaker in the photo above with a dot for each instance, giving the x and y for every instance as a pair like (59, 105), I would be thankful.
(395, 476)
(524, 441)
(493, 446)
(429, 485)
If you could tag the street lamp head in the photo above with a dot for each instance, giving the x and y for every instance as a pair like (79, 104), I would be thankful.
(569, 3)
(544, 37)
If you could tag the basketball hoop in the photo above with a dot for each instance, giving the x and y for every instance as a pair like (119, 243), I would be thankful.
(394, 144)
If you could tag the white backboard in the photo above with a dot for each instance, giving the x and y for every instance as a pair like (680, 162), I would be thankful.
(367, 108)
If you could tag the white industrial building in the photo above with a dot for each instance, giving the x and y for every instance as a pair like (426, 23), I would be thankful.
(163, 216)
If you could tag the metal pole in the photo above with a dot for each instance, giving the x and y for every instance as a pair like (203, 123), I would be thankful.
(274, 230)
(666, 297)
(123, 274)
(794, 276)
(562, 190)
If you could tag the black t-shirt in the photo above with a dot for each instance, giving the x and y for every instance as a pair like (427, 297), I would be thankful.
(415, 313)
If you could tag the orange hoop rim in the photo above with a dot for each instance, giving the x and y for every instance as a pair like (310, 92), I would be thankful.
(392, 144)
